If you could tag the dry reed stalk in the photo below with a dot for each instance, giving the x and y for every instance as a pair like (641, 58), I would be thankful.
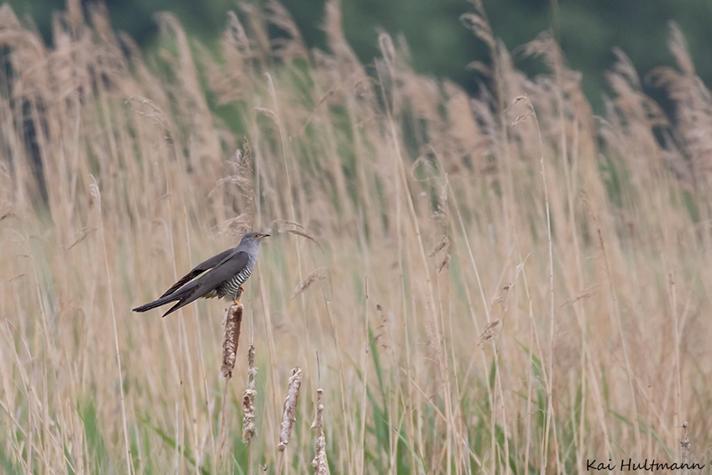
(248, 398)
(321, 467)
(232, 337)
(289, 412)
(95, 193)
(684, 445)
(233, 322)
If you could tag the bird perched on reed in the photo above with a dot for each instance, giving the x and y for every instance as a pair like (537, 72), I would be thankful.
(223, 276)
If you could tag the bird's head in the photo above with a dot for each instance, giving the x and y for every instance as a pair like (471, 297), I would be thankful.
(253, 237)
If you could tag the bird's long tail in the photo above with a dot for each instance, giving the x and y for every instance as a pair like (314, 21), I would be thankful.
(155, 303)
(182, 295)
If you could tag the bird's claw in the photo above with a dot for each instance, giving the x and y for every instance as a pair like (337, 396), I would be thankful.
(238, 294)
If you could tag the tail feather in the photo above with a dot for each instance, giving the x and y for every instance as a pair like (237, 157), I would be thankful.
(178, 305)
(184, 296)
(154, 304)
(181, 295)
(187, 297)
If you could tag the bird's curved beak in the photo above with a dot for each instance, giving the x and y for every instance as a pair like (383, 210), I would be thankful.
(262, 236)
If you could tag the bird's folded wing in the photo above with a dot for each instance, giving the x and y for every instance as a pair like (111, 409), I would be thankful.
(221, 273)
(227, 269)
(199, 269)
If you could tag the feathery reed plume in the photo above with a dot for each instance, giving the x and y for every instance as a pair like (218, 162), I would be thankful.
(232, 338)
(489, 332)
(316, 275)
(237, 192)
(248, 398)
(289, 412)
(291, 46)
(321, 467)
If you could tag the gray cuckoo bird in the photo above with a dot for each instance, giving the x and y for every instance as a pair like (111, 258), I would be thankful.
(222, 276)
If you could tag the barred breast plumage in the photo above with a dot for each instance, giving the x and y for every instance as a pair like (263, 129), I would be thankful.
(230, 287)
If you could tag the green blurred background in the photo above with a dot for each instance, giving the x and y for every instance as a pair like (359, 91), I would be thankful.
(587, 30)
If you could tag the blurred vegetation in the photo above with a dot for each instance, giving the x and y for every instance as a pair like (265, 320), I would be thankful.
(586, 30)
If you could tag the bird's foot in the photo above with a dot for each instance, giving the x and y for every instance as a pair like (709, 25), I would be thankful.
(238, 294)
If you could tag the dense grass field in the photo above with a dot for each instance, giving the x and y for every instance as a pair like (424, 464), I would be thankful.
(503, 283)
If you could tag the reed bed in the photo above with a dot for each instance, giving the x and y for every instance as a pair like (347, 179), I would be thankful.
(493, 283)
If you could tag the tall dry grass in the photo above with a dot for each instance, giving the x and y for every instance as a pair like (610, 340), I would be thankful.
(503, 283)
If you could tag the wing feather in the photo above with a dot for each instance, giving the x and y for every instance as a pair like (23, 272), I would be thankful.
(199, 269)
